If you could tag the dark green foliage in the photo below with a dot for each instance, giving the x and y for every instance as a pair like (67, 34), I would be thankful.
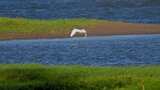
(41, 77)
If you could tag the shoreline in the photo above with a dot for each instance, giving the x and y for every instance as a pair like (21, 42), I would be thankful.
(13, 29)
(77, 37)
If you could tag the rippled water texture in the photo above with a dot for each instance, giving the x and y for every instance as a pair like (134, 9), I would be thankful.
(94, 51)
(144, 11)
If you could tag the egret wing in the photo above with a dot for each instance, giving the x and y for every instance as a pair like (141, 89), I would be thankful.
(72, 33)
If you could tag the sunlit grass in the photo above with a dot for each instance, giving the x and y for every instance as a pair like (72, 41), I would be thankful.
(41, 77)
(20, 25)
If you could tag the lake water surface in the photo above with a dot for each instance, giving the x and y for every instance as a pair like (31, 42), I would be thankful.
(94, 51)
(143, 11)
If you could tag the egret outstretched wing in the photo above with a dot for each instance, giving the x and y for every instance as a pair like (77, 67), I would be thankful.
(72, 33)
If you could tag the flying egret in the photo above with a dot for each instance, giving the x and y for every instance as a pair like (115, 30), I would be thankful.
(81, 31)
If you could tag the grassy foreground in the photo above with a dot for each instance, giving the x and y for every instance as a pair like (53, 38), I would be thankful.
(41, 77)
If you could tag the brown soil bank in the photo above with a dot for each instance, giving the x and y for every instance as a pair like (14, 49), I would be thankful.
(119, 28)
(100, 29)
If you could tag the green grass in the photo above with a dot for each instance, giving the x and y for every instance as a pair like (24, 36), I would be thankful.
(43, 77)
(20, 25)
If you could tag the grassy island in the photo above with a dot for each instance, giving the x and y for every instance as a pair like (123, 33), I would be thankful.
(19, 28)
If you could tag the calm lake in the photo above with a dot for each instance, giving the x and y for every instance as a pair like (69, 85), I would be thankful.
(143, 11)
(93, 51)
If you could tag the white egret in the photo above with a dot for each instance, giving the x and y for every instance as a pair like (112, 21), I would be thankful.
(81, 31)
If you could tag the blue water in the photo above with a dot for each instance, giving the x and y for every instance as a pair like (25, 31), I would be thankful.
(142, 11)
(94, 51)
